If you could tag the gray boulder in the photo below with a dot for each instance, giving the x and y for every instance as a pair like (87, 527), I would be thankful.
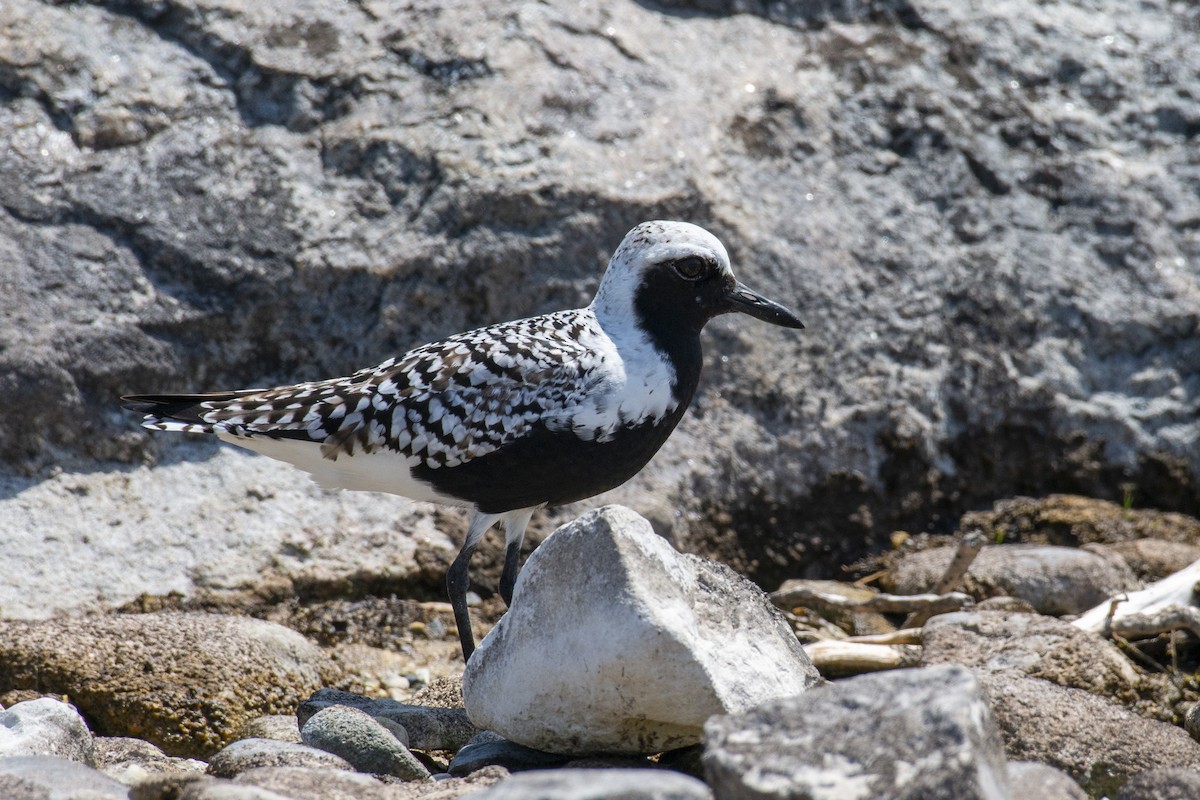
(919, 734)
(616, 643)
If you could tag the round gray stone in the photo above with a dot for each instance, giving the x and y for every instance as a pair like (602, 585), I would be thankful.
(362, 741)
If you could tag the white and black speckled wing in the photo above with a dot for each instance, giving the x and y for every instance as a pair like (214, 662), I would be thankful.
(439, 405)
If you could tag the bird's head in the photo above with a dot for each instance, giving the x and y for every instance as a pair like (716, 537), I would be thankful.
(677, 275)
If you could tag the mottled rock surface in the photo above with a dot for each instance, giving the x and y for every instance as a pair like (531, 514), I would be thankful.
(1097, 742)
(185, 682)
(1042, 647)
(916, 733)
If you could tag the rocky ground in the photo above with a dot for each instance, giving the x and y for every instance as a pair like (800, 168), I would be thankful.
(672, 674)
(986, 214)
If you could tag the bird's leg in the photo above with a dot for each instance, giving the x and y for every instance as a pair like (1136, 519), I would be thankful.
(514, 534)
(458, 580)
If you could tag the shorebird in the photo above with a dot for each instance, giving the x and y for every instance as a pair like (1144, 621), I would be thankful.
(509, 418)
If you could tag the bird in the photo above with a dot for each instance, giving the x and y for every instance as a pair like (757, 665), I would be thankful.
(509, 418)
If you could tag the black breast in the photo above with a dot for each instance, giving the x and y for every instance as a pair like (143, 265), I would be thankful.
(551, 467)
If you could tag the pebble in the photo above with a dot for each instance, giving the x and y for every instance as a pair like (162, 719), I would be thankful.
(33, 777)
(590, 784)
(428, 727)
(488, 749)
(45, 727)
(1032, 780)
(247, 754)
(131, 760)
(308, 783)
(362, 741)
(1169, 783)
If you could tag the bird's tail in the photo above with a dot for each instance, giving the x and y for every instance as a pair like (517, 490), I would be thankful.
(186, 413)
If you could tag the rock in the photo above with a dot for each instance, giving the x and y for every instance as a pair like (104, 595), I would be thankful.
(227, 790)
(1165, 783)
(1028, 779)
(131, 761)
(488, 749)
(252, 547)
(1071, 520)
(312, 783)
(590, 784)
(904, 733)
(1054, 580)
(47, 777)
(247, 754)
(428, 727)
(185, 682)
(1191, 721)
(1039, 646)
(245, 183)
(1151, 559)
(616, 643)
(281, 727)
(45, 727)
(168, 785)
(365, 743)
(1098, 743)
(853, 622)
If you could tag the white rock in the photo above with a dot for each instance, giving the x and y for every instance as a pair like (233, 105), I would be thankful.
(617, 643)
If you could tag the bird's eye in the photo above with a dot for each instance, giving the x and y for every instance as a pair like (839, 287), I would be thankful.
(690, 268)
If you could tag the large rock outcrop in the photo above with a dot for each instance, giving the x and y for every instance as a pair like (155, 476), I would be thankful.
(986, 215)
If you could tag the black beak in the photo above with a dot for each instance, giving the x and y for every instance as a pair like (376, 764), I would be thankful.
(747, 301)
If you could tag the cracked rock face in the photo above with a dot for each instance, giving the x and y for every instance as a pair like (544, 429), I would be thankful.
(986, 217)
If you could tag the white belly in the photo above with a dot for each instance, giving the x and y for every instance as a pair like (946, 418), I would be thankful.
(381, 471)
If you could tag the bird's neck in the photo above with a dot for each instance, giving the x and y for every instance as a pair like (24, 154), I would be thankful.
(649, 342)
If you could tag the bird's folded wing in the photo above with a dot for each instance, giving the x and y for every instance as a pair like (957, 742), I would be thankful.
(442, 404)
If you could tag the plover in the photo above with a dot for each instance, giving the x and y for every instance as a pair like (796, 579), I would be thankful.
(509, 418)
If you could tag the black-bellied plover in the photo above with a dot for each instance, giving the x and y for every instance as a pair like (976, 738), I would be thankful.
(509, 418)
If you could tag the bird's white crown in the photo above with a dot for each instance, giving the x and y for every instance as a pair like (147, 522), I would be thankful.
(644, 248)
